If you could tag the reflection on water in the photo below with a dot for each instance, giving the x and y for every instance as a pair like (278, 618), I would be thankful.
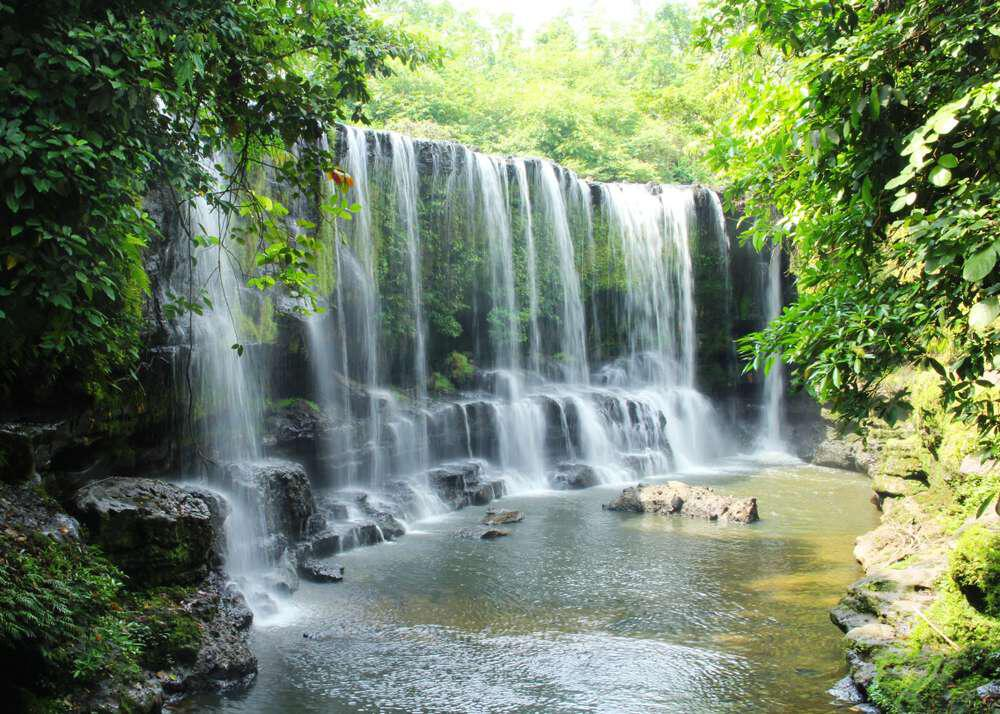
(582, 610)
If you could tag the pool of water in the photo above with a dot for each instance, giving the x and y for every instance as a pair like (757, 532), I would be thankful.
(581, 610)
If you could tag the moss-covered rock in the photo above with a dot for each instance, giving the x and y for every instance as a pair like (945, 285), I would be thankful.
(899, 470)
(157, 532)
(975, 569)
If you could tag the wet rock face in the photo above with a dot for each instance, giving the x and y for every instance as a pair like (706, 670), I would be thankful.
(17, 458)
(677, 498)
(462, 484)
(282, 490)
(574, 476)
(157, 532)
(224, 661)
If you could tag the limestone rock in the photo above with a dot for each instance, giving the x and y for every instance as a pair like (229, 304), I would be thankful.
(899, 471)
(499, 518)
(677, 498)
(157, 532)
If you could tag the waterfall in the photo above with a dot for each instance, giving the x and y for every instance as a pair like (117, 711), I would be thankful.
(572, 333)
(406, 181)
(774, 381)
(226, 387)
(571, 304)
(652, 232)
(225, 384)
(495, 222)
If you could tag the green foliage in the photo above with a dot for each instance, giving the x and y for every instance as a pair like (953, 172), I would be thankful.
(975, 569)
(59, 607)
(915, 682)
(441, 384)
(102, 101)
(869, 142)
(460, 368)
(629, 103)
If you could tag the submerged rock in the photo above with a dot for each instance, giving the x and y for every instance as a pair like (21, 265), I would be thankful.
(493, 534)
(499, 518)
(157, 532)
(574, 476)
(280, 489)
(677, 498)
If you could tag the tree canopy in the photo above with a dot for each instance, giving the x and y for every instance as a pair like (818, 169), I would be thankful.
(615, 103)
(103, 99)
(868, 141)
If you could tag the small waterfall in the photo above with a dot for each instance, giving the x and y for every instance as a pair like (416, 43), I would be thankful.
(226, 387)
(774, 381)
(572, 330)
(534, 334)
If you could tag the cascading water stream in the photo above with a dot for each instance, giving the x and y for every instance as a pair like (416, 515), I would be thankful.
(534, 334)
(774, 380)
(572, 334)
(226, 386)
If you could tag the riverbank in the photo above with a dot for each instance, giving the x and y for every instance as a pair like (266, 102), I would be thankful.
(922, 627)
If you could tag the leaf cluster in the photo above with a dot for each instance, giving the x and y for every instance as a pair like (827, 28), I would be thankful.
(104, 99)
(869, 143)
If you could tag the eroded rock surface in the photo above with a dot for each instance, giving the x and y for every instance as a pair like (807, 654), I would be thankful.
(499, 518)
(281, 488)
(677, 498)
(157, 532)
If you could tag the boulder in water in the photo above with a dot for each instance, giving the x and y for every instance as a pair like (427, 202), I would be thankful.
(282, 490)
(675, 497)
(499, 518)
(493, 534)
(574, 476)
(482, 533)
(157, 532)
(325, 544)
(387, 522)
(316, 572)
(453, 481)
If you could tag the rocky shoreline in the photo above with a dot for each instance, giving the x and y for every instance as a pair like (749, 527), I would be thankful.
(894, 618)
